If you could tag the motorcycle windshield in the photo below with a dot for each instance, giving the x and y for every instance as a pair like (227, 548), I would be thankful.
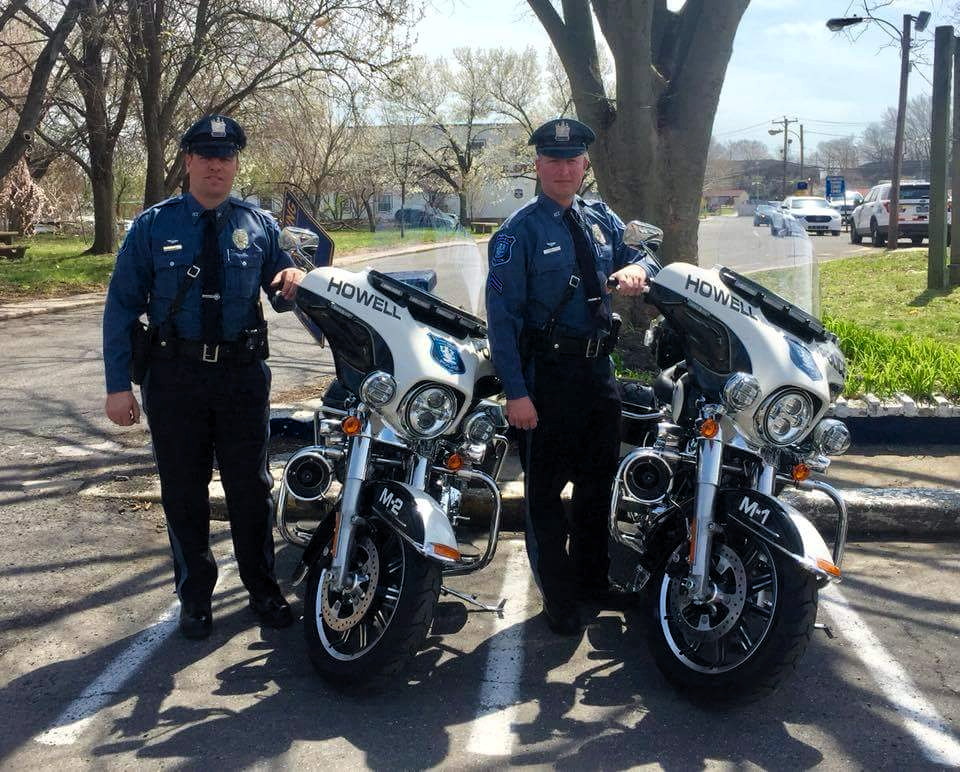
(772, 246)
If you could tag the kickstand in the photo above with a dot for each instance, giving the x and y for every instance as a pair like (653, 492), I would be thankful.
(827, 630)
(498, 610)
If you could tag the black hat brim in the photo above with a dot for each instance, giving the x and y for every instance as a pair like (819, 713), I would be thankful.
(212, 149)
(562, 152)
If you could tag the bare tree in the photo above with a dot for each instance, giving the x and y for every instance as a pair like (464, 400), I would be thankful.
(204, 56)
(404, 166)
(838, 154)
(30, 106)
(654, 118)
(364, 173)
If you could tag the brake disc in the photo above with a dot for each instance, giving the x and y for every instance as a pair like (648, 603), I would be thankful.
(712, 620)
(343, 610)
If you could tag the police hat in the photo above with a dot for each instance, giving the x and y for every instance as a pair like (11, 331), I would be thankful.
(215, 136)
(562, 138)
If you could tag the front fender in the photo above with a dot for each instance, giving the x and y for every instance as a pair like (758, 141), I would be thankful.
(414, 516)
(781, 526)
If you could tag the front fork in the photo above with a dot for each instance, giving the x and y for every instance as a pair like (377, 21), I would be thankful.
(358, 456)
(709, 458)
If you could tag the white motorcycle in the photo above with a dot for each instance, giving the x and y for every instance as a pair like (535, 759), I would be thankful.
(404, 435)
(731, 571)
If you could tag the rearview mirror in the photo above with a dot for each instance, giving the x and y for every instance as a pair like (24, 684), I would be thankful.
(642, 234)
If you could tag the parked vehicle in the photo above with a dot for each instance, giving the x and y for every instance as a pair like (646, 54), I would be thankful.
(815, 214)
(850, 201)
(731, 571)
(404, 431)
(872, 217)
(422, 218)
(763, 214)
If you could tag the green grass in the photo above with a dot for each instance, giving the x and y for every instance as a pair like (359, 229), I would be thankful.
(55, 265)
(897, 335)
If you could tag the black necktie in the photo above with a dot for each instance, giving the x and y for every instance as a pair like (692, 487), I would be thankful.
(210, 306)
(586, 264)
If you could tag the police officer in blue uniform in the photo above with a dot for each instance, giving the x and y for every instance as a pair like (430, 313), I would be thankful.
(551, 333)
(195, 264)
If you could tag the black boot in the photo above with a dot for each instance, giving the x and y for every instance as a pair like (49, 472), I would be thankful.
(272, 610)
(196, 620)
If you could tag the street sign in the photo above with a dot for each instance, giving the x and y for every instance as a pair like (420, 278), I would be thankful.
(296, 214)
(802, 185)
(835, 187)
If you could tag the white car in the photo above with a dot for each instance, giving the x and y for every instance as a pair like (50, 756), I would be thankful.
(815, 214)
(872, 217)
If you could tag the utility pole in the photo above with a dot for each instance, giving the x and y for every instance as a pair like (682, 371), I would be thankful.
(937, 277)
(893, 230)
(801, 155)
(786, 123)
(954, 232)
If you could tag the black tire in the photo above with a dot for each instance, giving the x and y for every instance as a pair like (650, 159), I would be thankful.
(855, 237)
(781, 628)
(834, 233)
(878, 238)
(399, 632)
(916, 240)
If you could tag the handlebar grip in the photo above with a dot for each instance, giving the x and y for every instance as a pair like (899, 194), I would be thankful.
(613, 283)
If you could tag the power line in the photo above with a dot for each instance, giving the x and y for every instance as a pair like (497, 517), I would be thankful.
(737, 131)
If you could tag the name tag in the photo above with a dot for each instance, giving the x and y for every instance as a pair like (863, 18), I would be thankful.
(552, 249)
(172, 247)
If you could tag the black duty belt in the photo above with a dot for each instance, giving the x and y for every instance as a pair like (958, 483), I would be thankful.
(566, 345)
(227, 352)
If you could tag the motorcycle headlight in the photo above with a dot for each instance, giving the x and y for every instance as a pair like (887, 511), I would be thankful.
(378, 389)
(831, 437)
(786, 417)
(740, 391)
(429, 410)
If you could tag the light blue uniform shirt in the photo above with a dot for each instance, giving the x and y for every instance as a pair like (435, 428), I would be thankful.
(162, 244)
(531, 259)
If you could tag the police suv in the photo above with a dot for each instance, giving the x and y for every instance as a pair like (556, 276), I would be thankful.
(872, 217)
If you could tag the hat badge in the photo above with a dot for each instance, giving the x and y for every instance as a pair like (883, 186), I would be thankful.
(562, 132)
(218, 127)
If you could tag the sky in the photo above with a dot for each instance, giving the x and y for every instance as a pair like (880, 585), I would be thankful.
(785, 61)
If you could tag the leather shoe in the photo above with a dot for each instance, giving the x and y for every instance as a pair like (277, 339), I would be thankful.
(608, 595)
(564, 620)
(196, 620)
(273, 610)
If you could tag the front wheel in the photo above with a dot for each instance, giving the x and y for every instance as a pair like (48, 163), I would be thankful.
(855, 237)
(371, 630)
(748, 637)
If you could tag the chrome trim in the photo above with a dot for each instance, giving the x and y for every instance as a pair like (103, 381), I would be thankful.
(767, 478)
(358, 454)
(468, 567)
(618, 494)
(840, 537)
(708, 481)
(291, 533)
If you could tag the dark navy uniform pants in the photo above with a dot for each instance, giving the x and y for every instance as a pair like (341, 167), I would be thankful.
(197, 412)
(577, 440)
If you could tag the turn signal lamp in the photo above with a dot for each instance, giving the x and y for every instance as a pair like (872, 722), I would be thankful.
(800, 472)
(829, 567)
(443, 551)
(351, 425)
(454, 462)
(710, 428)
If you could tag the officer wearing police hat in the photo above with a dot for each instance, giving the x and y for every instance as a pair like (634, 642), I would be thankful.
(551, 333)
(195, 264)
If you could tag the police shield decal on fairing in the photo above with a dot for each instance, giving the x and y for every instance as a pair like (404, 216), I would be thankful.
(446, 355)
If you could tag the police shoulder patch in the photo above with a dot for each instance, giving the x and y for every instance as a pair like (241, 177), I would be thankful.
(502, 249)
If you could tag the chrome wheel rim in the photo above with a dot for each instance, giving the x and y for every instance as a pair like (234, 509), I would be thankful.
(723, 633)
(352, 622)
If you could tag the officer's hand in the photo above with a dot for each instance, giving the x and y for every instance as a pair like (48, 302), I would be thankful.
(287, 281)
(521, 413)
(122, 408)
(631, 280)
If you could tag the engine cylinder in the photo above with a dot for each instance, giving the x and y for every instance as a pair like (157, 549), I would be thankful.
(308, 475)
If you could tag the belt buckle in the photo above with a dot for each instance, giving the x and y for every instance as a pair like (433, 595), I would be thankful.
(210, 353)
(593, 348)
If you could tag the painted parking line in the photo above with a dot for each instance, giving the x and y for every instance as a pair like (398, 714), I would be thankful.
(492, 730)
(72, 722)
(920, 718)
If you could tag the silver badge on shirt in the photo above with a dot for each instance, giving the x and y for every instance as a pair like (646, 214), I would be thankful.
(598, 234)
(240, 239)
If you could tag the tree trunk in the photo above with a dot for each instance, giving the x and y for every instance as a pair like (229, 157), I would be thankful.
(462, 195)
(104, 224)
(654, 132)
(371, 220)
